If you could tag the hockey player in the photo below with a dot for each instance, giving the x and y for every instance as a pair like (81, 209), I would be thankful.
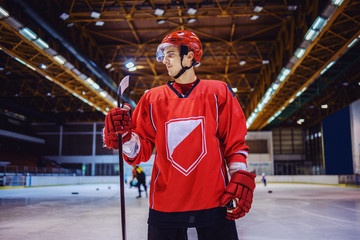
(198, 129)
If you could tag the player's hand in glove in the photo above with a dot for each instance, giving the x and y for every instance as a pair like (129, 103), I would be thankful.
(117, 121)
(240, 190)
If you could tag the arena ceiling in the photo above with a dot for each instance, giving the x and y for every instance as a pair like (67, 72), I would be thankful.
(61, 60)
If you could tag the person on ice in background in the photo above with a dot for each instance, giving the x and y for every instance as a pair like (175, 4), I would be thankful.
(140, 176)
(263, 179)
(198, 129)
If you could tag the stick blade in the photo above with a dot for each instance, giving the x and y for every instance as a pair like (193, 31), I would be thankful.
(124, 84)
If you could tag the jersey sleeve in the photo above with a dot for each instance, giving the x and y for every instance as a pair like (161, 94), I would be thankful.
(143, 128)
(232, 128)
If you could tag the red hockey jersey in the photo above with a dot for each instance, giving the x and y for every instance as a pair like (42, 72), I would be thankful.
(194, 135)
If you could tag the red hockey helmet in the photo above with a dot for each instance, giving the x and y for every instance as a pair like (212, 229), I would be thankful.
(180, 38)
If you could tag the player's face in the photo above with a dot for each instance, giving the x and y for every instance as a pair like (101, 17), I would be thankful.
(172, 60)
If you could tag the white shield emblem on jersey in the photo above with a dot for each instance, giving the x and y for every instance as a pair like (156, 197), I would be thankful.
(186, 145)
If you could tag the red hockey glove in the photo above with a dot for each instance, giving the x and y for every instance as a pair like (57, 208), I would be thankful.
(117, 121)
(240, 189)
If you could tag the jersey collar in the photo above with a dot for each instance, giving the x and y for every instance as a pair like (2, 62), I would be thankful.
(170, 84)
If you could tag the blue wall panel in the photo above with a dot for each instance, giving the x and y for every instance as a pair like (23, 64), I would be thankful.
(337, 143)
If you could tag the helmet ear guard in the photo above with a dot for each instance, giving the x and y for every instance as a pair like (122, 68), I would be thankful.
(184, 50)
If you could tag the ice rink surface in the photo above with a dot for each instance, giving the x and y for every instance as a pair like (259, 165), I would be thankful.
(92, 212)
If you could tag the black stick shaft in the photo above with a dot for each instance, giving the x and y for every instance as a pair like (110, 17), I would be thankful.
(121, 171)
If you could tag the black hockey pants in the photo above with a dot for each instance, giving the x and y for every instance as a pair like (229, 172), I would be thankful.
(226, 231)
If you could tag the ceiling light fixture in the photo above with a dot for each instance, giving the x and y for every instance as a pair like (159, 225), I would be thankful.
(191, 11)
(31, 67)
(191, 20)
(319, 23)
(258, 9)
(242, 62)
(352, 43)
(64, 16)
(283, 74)
(104, 94)
(3, 13)
(327, 67)
(49, 78)
(60, 59)
(300, 121)
(272, 118)
(275, 85)
(254, 17)
(311, 35)
(298, 94)
(95, 14)
(129, 64)
(95, 85)
(99, 23)
(41, 43)
(26, 32)
(24, 63)
(89, 81)
(299, 52)
(292, 7)
(160, 21)
(337, 2)
(159, 12)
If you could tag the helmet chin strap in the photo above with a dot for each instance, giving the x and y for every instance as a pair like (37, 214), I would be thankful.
(184, 51)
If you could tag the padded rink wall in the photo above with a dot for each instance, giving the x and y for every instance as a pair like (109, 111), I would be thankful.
(315, 179)
(67, 180)
(32, 181)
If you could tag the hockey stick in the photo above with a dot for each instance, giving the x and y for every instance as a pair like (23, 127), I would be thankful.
(122, 86)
